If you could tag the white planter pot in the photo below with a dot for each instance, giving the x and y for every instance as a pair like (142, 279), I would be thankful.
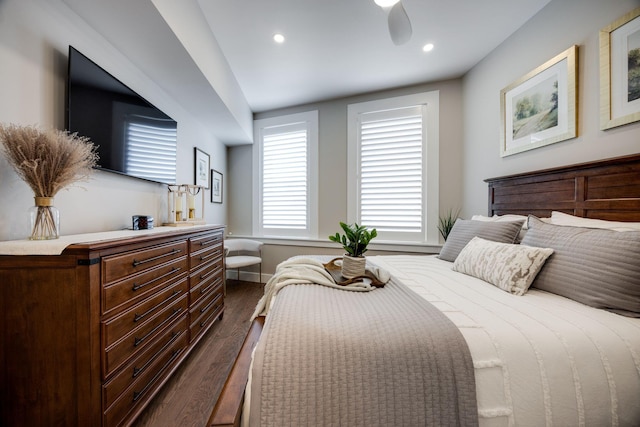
(353, 266)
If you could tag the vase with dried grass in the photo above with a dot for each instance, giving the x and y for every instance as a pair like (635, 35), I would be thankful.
(48, 161)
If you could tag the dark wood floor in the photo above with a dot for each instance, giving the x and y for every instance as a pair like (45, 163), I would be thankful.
(189, 396)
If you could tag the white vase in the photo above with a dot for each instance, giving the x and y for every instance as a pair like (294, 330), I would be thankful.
(353, 266)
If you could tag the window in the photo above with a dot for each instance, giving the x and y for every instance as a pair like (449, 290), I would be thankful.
(393, 167)
(286, 152)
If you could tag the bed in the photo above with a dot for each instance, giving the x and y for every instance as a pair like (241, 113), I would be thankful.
(540, 353)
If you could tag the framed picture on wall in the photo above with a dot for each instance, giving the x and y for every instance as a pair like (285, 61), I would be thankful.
(540, 108)
(620, 71)
(216, 186)
(201, 168)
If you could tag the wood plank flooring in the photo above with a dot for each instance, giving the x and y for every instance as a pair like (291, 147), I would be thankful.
(190, 395)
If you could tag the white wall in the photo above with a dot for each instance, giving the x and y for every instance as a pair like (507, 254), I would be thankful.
(34, 40)
(561, 24)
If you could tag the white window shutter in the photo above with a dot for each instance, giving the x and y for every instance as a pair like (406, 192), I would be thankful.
(391, 164)
(284, 180)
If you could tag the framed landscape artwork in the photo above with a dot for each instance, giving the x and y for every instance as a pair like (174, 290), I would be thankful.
(620, 71)
(540, 108)
(216, 186)
(201, 168)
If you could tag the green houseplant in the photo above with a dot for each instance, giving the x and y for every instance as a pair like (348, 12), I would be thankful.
(445, 223)
(355, 240)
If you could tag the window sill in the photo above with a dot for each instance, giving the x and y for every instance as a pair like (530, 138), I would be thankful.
(388, 246)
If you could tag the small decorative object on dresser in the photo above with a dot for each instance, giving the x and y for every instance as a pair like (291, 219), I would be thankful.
(354, 241)
(185, 204)
(47, 161)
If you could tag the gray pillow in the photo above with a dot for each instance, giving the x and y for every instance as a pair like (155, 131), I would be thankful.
(599, 268)
(464, 230)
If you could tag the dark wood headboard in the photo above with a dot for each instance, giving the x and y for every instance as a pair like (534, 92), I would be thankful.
(605, 189)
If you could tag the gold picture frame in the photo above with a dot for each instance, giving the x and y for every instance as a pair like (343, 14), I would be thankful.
(619, 81)
(540, 108)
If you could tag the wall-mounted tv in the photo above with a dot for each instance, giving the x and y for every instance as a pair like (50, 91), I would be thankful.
(133, 137)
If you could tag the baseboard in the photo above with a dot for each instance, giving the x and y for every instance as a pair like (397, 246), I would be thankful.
(248, 276)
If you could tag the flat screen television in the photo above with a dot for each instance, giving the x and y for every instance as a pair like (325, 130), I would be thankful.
(134, 137)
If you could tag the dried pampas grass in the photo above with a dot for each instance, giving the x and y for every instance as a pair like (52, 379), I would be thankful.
(47, 160)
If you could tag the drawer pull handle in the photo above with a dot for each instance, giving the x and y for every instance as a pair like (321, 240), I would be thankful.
(137, 316)
(211, 241)
(138, 394)
(207, 274)
(205, 321)
(206, 288)
(205, 308)
(144, 261)
(203, 257)
(136, 370)
(137, 341)
(136, 287)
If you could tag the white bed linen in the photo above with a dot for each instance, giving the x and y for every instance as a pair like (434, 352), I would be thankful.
(539, 359)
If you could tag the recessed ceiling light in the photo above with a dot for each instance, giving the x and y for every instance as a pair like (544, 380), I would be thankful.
(278, 38)
(427, 47)
(386, 3)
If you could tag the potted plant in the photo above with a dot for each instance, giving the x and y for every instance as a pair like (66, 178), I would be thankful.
(354, 241)
(446, 222)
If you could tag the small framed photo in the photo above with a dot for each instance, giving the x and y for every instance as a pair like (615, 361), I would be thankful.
(620, 71)
(216, 186)
(540, 108)
(201, 168)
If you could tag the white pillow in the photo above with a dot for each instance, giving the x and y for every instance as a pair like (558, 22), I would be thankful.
(510, 267)
(561, 218)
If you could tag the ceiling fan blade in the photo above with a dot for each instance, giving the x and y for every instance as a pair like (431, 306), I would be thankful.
(399, 24)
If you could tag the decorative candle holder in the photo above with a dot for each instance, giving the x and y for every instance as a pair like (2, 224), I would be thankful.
(185, 205)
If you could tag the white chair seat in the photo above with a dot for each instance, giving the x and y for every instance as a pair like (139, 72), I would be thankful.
(237, 261)
(243, 253)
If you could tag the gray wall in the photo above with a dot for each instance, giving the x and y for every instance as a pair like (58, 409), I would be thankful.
(561, 24)
(34, 39)
(333, 167)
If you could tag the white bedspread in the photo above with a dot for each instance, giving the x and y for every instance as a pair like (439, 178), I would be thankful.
(539, 359)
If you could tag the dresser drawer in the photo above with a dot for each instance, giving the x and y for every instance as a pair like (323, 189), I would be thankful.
(211, 254)
(205, 312)
(137, 316)
(137, 340)
(144, 366)
(211, 272)
(205, 241)
(204, 249)
(132, 289)
(119, 266)
(146, 385)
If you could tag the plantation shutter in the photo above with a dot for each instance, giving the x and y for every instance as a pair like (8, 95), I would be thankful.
(391, 172)
(285, 189)
(151, 149)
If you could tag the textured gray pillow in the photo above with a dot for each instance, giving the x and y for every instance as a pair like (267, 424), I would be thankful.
(599, 268)
(512, 268)
(464, 230)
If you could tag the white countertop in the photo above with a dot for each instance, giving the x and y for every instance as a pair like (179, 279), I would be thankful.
(56, 246)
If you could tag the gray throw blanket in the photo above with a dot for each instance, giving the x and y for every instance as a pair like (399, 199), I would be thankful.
(382, 358)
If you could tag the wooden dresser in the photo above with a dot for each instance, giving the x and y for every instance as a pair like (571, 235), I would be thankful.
(90, 335)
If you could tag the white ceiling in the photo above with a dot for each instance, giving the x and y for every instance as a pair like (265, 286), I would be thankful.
(217, 58)
(336, 48)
